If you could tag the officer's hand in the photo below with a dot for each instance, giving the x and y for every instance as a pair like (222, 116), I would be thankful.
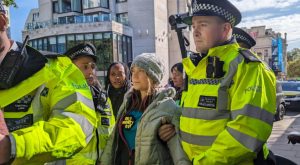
(3, 128)
(4, 149)
(166, 132)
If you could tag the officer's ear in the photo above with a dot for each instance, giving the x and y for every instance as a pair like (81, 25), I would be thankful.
(226, 30)
(3, 22)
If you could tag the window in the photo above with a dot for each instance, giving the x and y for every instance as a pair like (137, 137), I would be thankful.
(76, 5)
(34, 44)
(61, 45)
(79, 38)
(70, 19)
(129, 47)
(65, 6)
(121, 1)
(40, 44)
(89, 38)
(122, 18)
(125, 52)
(35, 16)
(45, 44)
(62, 20)
(52, 44)
(70, 41)
(104, 4)
(91, 4)
(55, 7)
(120, 50)
(104, 16)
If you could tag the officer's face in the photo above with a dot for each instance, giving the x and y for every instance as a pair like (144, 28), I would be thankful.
(208, 32)
(88, 68)
(140, 80)
(117, 76)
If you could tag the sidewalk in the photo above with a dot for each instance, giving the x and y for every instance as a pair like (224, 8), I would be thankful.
(278, 142)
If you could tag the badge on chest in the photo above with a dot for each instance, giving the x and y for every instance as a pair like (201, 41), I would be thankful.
(208, 101)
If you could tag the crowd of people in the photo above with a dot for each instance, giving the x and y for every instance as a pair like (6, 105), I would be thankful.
(217, 108)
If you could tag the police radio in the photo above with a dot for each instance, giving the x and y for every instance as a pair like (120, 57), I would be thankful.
(11, 65)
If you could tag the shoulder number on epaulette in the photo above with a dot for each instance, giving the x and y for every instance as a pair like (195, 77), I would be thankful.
(249, 56)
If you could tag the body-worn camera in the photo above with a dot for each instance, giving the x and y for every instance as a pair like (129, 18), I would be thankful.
(11, 64)
(214, 67)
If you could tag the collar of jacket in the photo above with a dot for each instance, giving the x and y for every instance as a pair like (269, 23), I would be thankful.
(221, 51)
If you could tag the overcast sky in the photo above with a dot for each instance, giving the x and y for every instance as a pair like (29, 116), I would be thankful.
(280, 15)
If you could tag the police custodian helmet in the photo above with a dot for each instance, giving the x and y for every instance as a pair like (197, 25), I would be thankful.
(82, 49)
(221, 8)
(243, 37)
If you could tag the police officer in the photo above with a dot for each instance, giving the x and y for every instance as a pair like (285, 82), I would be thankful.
(243, 38)
(47, 107)
(84, 57)
(230, 101)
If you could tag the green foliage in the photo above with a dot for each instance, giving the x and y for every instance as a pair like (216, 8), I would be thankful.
(9, 3)
(293, 54)
(294, 68)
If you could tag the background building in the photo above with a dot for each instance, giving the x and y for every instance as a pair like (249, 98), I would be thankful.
(120, 29)
(271, 47)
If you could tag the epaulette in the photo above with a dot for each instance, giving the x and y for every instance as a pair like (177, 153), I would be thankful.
(249, 56)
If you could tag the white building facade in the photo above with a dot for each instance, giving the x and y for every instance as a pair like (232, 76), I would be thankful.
(119, 29)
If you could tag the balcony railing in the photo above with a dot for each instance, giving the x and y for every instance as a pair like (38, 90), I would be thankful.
(74, 20)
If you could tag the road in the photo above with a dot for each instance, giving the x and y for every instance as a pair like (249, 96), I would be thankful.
(278, 142)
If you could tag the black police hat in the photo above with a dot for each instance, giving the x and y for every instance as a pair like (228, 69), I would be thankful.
(242, 36)
(220, 8)
(83, 49)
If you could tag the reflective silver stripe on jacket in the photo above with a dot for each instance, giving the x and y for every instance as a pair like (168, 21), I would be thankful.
(197, 139)
(225, 84)
(254, 112)
(86, 126)
(37, 107)
(199, 113)
(69, 100)
(249, 142)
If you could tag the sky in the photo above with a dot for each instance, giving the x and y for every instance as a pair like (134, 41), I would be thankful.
(280, 15)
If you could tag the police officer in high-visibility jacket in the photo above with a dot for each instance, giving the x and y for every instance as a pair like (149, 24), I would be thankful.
(230, 100)
(84, 57)
(47, 106)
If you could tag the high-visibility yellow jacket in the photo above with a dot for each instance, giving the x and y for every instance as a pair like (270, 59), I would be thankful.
(60, 121)
(227, 120)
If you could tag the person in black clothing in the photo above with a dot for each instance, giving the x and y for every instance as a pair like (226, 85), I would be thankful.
(117, 83)
(177, 79)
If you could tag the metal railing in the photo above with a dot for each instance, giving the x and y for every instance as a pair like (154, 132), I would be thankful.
(75, 20)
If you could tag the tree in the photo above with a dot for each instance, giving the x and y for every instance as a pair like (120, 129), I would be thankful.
(294, 68)
(9, 3)
(293, 54)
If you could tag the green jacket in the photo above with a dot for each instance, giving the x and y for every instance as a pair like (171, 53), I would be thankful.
(59, 122)
(149, 149)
